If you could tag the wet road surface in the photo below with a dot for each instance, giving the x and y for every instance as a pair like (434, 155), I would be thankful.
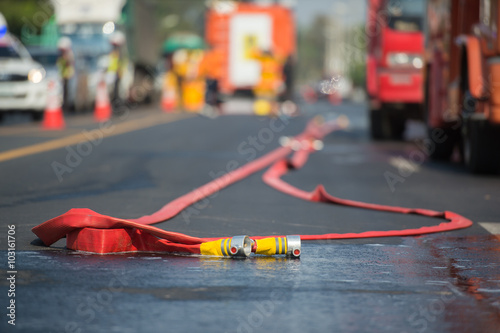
(448, 282)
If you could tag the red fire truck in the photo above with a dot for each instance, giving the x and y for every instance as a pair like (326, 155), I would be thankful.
(463, 82)
(394, 64)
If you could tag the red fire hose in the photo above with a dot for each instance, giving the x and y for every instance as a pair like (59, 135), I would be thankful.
(89, 231)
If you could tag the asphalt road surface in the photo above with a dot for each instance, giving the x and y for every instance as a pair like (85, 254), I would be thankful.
(142, 159)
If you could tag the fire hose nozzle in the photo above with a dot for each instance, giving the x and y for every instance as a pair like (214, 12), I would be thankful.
(238, 246)
(288, 245)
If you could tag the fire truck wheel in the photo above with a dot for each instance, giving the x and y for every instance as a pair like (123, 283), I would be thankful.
(379, 124)
(481, 146)
(397, 125)
(441, 150)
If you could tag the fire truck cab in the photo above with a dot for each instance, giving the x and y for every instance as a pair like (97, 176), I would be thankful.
(394, 64)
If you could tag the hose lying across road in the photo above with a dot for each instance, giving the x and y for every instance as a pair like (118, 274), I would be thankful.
(89, 231)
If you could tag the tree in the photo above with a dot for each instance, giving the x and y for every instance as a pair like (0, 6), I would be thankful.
(311, 50)
(30, 14)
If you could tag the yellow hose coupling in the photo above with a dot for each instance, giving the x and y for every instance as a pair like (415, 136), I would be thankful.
(238, 246)
(288, 245)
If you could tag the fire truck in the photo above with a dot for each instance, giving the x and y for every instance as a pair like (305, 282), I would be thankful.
(395, 45)
(235, 29)
(463, 82)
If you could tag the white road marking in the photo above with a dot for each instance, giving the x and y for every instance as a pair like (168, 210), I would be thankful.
(403, 164)
(492, 227)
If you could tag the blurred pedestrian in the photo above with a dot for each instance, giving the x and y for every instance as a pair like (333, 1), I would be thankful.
(211, 70)
(117, 64)
(288, 77)
(66, 66)
(180, 60)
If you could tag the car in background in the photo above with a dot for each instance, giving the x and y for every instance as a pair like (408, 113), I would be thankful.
(23, 84)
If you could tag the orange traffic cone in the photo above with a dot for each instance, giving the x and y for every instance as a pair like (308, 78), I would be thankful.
(168, 100)
(53, 118)
(168, 94)
(102, 110)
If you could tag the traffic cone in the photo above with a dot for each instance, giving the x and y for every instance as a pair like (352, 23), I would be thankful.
(168, 94)
(102, 110)
(168, 100)
(53, 118)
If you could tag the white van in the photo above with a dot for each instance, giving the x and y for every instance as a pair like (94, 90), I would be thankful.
(23, 86)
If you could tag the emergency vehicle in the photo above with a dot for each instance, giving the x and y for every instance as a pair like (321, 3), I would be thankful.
(394, 64)
(463, 82)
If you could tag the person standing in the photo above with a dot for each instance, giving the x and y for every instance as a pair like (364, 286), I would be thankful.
(210, 69)
(116, 64)
(270, 84)
(66, 66)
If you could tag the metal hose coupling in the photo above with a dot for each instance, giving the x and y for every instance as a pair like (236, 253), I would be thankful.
(288, 245)
(238, 247)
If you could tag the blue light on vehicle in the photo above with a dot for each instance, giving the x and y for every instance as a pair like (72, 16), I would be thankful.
(3, 30)
(3, 26)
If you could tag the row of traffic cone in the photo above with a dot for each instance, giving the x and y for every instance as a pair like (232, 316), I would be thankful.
(53, 118)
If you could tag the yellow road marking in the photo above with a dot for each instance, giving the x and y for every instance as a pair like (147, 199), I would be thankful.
(112, 130)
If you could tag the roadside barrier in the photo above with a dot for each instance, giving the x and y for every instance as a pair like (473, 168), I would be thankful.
(86, 230)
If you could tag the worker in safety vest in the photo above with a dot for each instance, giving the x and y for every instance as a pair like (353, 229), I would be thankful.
(180, 61)
(194, 83)
(117, 63)
(271, 79)
(66, 66)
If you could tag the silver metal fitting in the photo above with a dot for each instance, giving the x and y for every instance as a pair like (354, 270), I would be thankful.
(240, 246)
(293, 245)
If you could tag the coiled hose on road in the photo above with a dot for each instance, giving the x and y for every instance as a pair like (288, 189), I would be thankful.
(89, 231)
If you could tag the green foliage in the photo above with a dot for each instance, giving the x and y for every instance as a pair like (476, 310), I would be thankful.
(311, 50)
(357, 67)
(190, 16)
(32, 14)
(357, 72)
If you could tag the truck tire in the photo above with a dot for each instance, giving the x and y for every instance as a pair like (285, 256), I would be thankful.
(481, 146)
(379, 125)
(36, 115)
(442, 150)
(386, 124)
(397, 126)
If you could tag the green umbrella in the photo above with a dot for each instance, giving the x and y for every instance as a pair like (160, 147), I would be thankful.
(183, 41)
